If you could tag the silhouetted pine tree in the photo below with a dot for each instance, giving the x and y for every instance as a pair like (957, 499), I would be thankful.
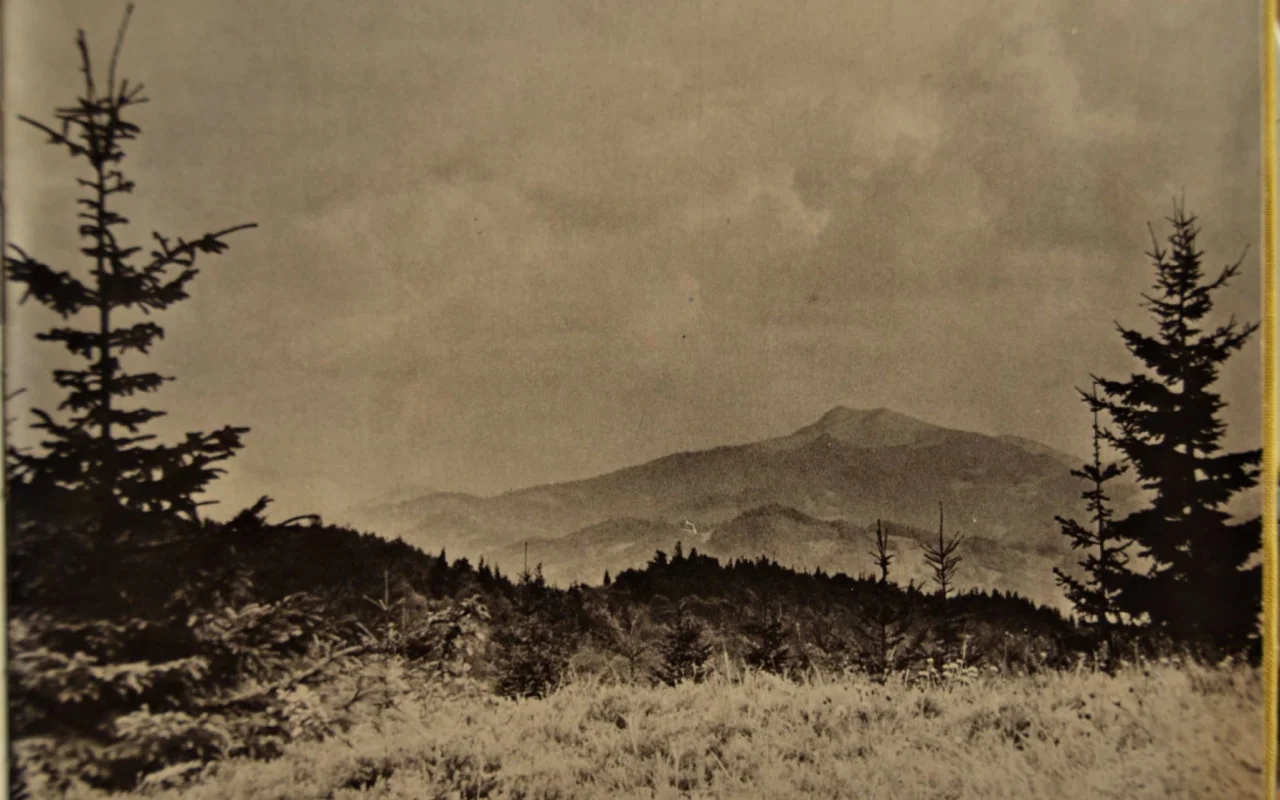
(943, 558)
(1104, 562)
(882, 635)
(1197, 588)
(99, 447)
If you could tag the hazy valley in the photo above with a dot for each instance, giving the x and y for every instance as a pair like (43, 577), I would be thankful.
(807, 499)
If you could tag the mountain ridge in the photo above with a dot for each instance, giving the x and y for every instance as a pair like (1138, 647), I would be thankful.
(809, 497)
(850, 464)
(405, 496)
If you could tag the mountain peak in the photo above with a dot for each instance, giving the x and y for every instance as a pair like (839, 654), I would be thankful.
(874, 427)
(843, 413)
(864, 428)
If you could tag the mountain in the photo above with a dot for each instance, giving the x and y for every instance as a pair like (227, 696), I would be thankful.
(812, 492)
(1031, 446)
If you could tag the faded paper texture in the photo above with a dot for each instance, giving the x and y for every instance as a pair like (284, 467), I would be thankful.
(594, 399)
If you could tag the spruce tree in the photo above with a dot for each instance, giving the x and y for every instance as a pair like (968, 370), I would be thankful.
(883, 631)
(533, 648)
(943, 558)
(685, 651)
(769, 650)
(94, 444)
(1105, 561)
(1196, 588)
(629, 632)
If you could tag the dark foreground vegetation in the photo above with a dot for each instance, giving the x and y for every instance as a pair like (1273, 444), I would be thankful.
(204, 641)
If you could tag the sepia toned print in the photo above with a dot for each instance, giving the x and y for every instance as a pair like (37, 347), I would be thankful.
(585, 400)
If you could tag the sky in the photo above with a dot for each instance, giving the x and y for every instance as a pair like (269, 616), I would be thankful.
(510, 243)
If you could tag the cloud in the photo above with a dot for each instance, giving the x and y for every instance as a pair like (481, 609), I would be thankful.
(504, 243)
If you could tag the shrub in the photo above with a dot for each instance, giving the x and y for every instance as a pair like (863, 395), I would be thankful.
(685, 651)
(769, 650)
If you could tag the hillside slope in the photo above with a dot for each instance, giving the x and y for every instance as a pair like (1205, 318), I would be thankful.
(836, 476)
(793, 539)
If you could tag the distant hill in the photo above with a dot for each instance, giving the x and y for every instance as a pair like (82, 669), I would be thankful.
(808, 497)
(790, 537)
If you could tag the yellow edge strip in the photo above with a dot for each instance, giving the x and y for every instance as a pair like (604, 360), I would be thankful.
(1270, 410)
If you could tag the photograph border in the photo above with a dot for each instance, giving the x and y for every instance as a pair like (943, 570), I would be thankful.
(1270, 395)
(1270, 474)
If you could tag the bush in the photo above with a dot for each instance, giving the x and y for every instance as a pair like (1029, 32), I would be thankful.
(535, 639)
(108, 703)
(769, 651)
(685, 651)
(113, 704)
(532, 658)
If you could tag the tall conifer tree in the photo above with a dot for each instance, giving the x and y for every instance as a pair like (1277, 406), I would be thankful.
(1105, 561)
(94, 444)
(1196, 588)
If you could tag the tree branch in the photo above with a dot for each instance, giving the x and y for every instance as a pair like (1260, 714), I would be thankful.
(167, 255)
(115, 53)
(283, 683)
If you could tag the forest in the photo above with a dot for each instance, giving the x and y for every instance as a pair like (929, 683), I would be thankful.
(148, 641)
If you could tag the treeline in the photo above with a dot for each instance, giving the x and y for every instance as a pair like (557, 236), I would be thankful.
(223, 639)
(680, 614)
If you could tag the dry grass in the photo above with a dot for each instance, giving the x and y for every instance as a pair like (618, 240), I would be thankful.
(1165, 732)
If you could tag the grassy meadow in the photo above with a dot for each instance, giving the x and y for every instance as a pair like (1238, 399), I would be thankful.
(1168, 731)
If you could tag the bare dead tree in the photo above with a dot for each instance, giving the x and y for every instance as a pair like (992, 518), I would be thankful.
(881, 552)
